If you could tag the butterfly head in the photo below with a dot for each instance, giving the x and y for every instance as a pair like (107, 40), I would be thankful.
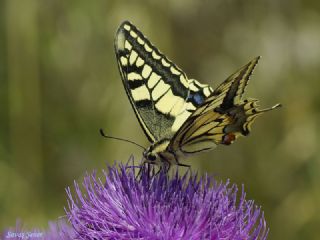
(156, 152)
(151, 156)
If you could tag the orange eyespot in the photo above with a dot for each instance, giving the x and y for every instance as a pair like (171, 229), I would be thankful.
(228, 138)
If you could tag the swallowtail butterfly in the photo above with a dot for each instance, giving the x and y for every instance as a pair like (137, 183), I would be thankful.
(181, 116)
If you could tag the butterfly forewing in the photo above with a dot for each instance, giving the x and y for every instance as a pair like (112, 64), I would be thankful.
(160, 93)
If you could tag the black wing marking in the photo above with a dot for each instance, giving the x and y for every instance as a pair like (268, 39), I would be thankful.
(160, 93)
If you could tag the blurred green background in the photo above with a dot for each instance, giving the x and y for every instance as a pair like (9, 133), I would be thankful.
(59, 83)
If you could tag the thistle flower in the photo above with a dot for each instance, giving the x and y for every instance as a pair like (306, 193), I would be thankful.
(59, 231)
(158, 206)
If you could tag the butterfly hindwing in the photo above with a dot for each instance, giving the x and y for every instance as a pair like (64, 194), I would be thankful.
(229, 92)
(222, 118)
(160, 93)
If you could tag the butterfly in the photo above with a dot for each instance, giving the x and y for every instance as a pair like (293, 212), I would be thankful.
(181, 116)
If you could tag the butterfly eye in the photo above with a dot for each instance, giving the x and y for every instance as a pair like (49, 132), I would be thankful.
(151, 157)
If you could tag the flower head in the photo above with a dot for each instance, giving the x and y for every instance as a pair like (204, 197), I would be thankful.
(159, 206)
(59, 230)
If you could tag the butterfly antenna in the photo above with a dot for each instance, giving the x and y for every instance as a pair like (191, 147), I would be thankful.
(120, 139)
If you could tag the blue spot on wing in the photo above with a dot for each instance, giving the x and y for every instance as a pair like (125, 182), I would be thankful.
(197, 98)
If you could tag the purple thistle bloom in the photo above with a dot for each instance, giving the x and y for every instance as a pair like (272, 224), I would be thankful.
(60, 230)
(158, 206)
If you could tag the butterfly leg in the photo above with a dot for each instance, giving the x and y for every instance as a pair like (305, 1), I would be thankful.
(184, 165)
(178, 163)
(140, 171)
(158, 172)
(143, 167)
(164, 168)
